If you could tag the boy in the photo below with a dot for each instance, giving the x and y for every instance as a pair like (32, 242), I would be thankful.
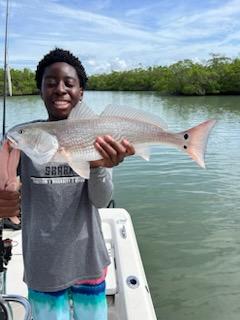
(65, 257)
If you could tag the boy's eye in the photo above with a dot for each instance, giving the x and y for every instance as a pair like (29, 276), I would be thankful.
(50, 82)
(69, 84)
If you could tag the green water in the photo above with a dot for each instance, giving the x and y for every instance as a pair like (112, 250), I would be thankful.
(187, 220)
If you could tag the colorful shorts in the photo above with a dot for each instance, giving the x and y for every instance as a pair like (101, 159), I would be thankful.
(79, 302)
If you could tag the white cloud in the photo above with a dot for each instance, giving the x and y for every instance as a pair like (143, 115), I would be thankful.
(96, 66)
(119, 64)
(91, 62)
(147, 34)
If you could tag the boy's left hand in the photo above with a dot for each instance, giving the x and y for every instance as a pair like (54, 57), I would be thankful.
(112, 151)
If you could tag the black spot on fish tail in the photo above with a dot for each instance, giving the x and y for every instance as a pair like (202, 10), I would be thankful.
(186, 136)
(185, 147)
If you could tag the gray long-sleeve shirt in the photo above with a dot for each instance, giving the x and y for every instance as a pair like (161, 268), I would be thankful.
(61, 226)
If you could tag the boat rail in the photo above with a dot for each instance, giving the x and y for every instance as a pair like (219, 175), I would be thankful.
(6, 312)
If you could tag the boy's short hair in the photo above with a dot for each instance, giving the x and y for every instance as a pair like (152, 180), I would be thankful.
(60, 55)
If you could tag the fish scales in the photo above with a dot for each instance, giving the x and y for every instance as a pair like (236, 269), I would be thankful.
(72, 140)
(82, 133)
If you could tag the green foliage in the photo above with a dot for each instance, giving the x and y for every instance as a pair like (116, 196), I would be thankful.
(23, 82)
(219, 75)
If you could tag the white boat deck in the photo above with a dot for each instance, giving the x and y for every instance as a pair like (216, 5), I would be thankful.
(127, 289)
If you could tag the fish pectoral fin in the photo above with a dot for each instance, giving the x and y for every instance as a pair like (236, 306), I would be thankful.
(82, 168)
(142, 151)
(47, 146)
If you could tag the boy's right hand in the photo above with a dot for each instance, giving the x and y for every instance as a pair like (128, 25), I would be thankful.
(9, 203)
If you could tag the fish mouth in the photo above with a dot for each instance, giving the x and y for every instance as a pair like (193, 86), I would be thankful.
(13, 142)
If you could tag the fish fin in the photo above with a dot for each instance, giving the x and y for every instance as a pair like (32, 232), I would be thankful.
(58, 157)
(82, 111)
(142, 151)
(196, 141)
(49, 148)
(81, 167)
(134, 114)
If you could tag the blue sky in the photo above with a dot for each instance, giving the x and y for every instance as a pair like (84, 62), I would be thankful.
(118, 35)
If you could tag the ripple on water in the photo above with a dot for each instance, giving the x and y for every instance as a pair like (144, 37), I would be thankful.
(186, 219)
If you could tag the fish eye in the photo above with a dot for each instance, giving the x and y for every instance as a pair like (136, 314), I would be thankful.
(20, 131)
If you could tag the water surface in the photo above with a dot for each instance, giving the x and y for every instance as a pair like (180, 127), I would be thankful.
(187, 220)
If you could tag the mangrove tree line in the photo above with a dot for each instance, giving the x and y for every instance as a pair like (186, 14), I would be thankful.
(219, 75)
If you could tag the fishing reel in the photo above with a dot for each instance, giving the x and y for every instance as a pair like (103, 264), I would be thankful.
(6, 252)
(10, 305)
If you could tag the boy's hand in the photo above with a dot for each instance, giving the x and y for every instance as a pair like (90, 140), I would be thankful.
(9, 203)
(112, 152)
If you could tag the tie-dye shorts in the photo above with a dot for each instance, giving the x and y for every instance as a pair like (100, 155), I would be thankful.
(85, 301)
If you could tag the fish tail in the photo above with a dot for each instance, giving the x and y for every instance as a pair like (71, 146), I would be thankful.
(195, 141)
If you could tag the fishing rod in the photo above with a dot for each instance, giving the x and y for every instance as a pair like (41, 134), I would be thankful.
(3, 133)
(5, 71)
(6, 245)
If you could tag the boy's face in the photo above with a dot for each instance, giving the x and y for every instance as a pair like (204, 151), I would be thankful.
(61, 90)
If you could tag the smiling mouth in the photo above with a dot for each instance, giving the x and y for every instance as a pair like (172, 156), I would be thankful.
(61, 104)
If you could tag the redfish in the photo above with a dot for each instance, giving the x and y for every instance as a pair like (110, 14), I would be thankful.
(72, 140)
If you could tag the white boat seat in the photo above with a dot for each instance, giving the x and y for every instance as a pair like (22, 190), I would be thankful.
(111, 279)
